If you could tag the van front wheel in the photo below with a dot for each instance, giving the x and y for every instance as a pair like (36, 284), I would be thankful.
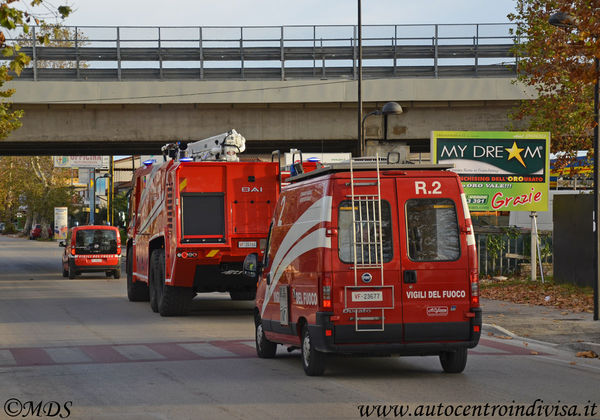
(265, 349)
(454, 361)
(313, 361)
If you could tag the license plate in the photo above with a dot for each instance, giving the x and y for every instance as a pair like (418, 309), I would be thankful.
(96, 259)
(247, 244)
(364, 296)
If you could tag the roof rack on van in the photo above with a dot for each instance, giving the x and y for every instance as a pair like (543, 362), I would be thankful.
(368, 164)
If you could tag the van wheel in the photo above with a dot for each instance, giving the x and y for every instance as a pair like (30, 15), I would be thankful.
(117, 273)
(242, 294)
(138, 291)
(170, 300)
(265, 349)
(313, 361)
(454, 361)
(72, 272)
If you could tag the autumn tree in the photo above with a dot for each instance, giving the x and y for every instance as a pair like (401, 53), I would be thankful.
(559, 64)
(32, 182)
(16, 17)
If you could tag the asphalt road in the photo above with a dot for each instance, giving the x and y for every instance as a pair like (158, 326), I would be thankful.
(83, 351)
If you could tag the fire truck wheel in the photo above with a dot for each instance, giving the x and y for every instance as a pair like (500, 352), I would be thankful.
(152, 283)
(313, 361)
(265, 349)
(170, 300)
(108, 273)
(454, 361)
(65, 272)
(117, 273)
(242, 294)
(138, 291)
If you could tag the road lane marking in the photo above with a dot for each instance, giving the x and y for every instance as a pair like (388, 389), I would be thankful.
(63, 355)
(207, 350)
(138, 352)
(178, 351)
(6, 358)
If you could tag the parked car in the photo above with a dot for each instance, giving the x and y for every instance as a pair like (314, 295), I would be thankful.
(92, 249)
(36, 232)
(2, 226)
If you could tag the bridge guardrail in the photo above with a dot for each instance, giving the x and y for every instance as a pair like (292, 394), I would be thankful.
(268, 52)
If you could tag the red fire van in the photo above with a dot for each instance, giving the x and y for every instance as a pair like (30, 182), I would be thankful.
(369, 258)
(92, 249)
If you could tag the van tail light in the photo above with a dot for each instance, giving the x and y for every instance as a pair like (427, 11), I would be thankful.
(326, 292)
(72, 250)
(474, 278)
(118, 249)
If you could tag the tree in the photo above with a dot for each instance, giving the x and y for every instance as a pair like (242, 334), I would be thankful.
(18, 15)
(32, 182)
(559, 64)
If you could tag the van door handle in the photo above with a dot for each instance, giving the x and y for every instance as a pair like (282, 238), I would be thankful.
(410, 276)
(268, 279)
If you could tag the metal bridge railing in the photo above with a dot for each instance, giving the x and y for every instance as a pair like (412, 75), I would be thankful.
(268, 52)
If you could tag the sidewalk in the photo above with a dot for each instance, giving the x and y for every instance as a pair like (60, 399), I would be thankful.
(575, 331)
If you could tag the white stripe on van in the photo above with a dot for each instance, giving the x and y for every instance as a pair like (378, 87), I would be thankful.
(471, 234)
(290, 248)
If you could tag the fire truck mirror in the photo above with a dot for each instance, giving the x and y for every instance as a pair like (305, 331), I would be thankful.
(251, 266)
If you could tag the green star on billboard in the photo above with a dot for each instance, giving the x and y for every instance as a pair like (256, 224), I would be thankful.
(499, 170)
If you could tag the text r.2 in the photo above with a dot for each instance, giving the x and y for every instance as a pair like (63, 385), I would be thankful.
(421, 187)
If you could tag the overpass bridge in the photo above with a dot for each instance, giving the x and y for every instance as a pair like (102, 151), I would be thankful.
(128, 90)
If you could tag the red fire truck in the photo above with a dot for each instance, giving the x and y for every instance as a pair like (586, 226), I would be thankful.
(193, 219)
(369, 258)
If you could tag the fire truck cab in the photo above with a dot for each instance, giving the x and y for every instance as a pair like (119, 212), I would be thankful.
(370, 258)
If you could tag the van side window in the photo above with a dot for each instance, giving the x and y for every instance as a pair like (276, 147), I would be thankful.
(267, 250)
(367, 232)
(433, 233)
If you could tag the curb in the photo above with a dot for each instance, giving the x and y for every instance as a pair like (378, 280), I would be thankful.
(584, 346)
(576, 346)
(497, 329)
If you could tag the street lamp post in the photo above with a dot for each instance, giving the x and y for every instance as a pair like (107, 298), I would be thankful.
(564, 20)
(93, 197)
(390, 108)
(361, 141)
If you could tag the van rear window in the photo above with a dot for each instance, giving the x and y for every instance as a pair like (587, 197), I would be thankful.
(366, 215)
(433, 233)
(96, 241)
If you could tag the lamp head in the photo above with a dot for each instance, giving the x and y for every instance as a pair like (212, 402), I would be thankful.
(391, 108)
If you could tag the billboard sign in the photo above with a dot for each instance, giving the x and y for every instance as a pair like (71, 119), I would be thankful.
(60, 223)
(499, 170)
(81, 162)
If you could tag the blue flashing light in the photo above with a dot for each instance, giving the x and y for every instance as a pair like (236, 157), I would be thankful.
(186, 159)
(149, 162)
(313, 159)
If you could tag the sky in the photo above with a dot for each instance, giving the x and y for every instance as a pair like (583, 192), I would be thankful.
(283, 12)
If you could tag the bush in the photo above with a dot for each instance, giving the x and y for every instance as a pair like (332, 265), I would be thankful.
(10, 228)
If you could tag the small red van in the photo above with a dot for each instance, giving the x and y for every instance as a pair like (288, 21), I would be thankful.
(92, 249)
(369, 258)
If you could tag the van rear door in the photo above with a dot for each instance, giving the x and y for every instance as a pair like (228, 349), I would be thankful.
(435, 272)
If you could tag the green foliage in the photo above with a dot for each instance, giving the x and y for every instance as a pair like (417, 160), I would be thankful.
(495, 245)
